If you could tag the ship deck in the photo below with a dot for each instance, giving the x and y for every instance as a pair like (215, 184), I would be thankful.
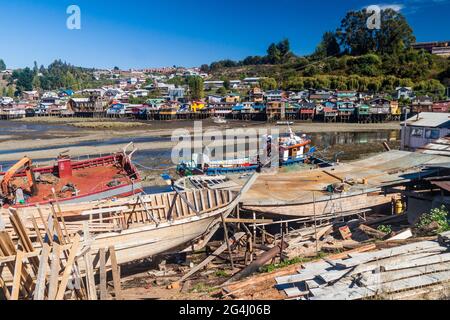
(88, 180)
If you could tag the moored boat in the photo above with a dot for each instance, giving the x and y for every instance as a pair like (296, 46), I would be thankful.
(293, 149)
(137, 227)
(69, 181)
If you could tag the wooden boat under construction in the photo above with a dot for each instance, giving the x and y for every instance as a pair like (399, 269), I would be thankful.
(137, 227)
(343, 188)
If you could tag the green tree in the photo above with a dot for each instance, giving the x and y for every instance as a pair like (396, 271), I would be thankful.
(24, 79)
(268, 84)
(395, 33)
(227, 84)
(2, 65)
(196, 87)
(36, 82)
(10, 92)
(273, 54)
(328, 47)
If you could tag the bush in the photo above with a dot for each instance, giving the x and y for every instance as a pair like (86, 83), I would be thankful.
(438, 215)
(385, 229)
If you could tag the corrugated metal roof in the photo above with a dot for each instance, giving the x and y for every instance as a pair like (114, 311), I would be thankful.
(430, 119)
(442, 184)
(438, 147)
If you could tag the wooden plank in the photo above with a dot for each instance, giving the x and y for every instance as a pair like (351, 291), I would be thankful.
(103, 288)
(47, 230)
(68, 268)
(214, 255)
(17, 276)
(92, 291)
(248, 221)
(310, 274)
(115, 273)
(419, 262)
(295, 292)
(55, 267)
(369, 279)
(322, 232)
(402, 236)
(37, 230)
(357, 259)
(2, 223)
(39, 290)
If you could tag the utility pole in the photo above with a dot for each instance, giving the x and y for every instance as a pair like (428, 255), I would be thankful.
(405, 125)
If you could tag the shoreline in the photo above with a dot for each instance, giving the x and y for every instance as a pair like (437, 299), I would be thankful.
(46, 147)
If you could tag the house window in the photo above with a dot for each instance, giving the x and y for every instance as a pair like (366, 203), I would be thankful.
(432, 134)
(417, 133)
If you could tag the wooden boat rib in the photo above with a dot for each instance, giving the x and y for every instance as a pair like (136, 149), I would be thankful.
(138, 227)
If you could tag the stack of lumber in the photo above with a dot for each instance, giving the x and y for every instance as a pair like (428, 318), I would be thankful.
(371, 275)
(58, 267)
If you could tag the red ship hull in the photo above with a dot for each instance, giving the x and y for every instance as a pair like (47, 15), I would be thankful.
(106, 177)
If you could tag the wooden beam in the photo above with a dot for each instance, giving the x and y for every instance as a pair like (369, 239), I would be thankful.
(92, 291)
(55, 267)
(17, 276)
(234, 239)
(68, 268)
(39, 290)
(103, 288)
(115, 273)
(248, 221)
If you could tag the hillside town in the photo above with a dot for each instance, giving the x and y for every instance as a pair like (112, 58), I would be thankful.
(147, 95)
(307, 171)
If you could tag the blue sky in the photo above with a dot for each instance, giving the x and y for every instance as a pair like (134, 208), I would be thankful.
(152, 33)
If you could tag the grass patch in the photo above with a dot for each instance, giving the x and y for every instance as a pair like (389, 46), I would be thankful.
(202, 288)
(277, 266)
(222, 274)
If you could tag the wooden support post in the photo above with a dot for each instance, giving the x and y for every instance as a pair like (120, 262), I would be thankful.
(103, 288)
(39, 290)
(68, 268)
(315, 224)
(17, 276)
(55, 267)
(92, 291)
(60, 215)
(227, 241)
(47, 230)
(115, 273)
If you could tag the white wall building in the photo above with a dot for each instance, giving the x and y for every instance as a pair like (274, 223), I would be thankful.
(423, 129)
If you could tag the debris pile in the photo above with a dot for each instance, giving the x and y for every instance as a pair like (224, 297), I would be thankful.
(64, 268)
(371, 275)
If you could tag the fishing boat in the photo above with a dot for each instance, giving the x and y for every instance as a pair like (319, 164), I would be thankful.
(137, 227)
(293, 149)
(69, 181)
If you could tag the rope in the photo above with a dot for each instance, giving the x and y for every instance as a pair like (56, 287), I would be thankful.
(152, 169)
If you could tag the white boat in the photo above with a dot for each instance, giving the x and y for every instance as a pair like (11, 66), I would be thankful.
(219, 120)
(137, 227)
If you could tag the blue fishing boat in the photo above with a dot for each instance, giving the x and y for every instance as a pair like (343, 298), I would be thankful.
(293, 149)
